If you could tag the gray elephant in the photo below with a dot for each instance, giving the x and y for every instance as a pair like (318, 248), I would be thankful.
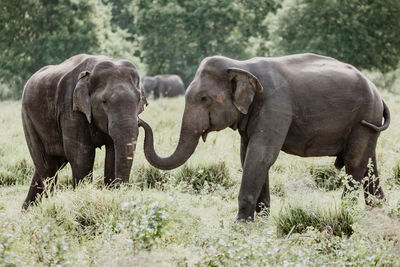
(306, 105)
(166, 85)
(70, 109)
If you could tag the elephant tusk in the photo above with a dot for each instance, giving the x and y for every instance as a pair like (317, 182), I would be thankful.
(204, 136)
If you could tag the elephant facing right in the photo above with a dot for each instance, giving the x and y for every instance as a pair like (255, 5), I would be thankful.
(306, 105)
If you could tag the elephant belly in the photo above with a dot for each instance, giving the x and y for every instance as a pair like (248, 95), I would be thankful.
(316, 142)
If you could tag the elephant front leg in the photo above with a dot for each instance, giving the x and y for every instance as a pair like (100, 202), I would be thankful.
(109, 169)
(261, 154)
(263, 202)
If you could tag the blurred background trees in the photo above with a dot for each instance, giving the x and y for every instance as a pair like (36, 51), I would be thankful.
(174, 36)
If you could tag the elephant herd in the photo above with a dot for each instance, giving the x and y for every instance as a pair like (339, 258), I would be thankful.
(305, 104)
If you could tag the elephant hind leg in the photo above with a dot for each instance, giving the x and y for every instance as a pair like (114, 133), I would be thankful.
(38, 182)
(359, 151)
(371, 185)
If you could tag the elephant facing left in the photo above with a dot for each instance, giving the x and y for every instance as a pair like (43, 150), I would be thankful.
(70, 109)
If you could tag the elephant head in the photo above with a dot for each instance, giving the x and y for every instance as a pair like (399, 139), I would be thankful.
(151, 85)
(219, 97)
(110, 97)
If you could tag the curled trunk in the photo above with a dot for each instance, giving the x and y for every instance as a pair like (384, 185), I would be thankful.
(187, 144)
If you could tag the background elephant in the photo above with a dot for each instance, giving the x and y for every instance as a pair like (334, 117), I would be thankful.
(306, 105)
(168, 85)
(70, 109)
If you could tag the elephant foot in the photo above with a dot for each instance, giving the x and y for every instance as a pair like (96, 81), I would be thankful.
(245, 214)
(376, 199)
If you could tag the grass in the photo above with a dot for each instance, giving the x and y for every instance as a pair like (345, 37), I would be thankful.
(185, 217)
(297, 219)
(327, 177)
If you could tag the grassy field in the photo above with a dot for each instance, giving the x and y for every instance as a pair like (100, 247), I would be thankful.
(186, 216)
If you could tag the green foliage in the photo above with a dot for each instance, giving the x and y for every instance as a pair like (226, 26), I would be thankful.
(362, 32)
(176, 35)
(202, 177)
(326, 177)
(150, 177)
(146, 229)
(296, 219)
(395, 212)
(36, 33)
(396, 173)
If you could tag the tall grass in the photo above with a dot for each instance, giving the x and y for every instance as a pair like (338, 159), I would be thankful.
(185, 217)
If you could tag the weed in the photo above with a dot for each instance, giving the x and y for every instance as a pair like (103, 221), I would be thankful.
(150, 177)
(296, 219)
(396, 173)
(17, 173)
(326, 177)
(145, 222)
(205, 178)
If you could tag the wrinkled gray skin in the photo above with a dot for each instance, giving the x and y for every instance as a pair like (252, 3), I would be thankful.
(167, 85)
(306, 105)
(70, 109)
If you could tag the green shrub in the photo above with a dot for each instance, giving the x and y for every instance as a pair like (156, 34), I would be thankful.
(89, 212)
(326, 177)
(205, 178)
(17, 173)
(396, 173)
(296, 219)
(150, 177)
(395, 212)
(145, 222)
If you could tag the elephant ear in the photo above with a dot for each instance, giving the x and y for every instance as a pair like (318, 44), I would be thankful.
(244, 87)
(81, 98)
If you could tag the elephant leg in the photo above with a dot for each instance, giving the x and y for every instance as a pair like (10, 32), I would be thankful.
(360, 148)
(263, 202)
(81, 158)
(243, 149)
(82, 167)
(39, 181)
(262, 152)
(109, 169)
(156, 93)
(371, 185)
(46, 166)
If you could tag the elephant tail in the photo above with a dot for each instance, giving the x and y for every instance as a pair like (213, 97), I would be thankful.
(386, 116)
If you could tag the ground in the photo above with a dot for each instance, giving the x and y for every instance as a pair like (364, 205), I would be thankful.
(186, 216)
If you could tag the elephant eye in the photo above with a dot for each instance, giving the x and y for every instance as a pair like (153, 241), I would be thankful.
(203, 99)
(104, 101)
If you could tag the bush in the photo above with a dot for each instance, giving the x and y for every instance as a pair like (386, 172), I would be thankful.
(396, 173)
(205, 178)
(296, 219)
(326, 177)
(150, 177)
(89, 212)
(395, 212)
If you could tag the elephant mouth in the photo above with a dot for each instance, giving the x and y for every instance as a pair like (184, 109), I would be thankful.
(207, 130)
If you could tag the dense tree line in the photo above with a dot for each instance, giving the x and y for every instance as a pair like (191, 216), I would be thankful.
(173, 36)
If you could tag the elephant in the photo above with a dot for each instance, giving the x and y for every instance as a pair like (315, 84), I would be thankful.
(166, 85)
(305, 104)
(70, 109)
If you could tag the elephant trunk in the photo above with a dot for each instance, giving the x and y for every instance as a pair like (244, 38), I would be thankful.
(124, 134)
(187, 144)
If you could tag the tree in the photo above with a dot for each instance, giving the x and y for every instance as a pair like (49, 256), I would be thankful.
(34, 33)
(364, 33)
(174, 36)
